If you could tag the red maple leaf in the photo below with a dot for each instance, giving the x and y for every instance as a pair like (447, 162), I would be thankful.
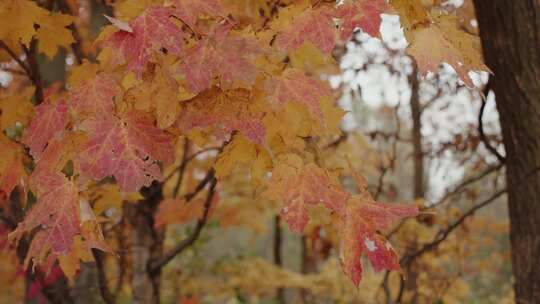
(55, 212)
(94, 97)
(223, 55)
(152, 31)
(12, 172)
(190, 10)
(226, 111)
(127, 148)
(365, 14)
(51, 118)
(311, 186)
(313, 25)
(295, 85)
(358, 229)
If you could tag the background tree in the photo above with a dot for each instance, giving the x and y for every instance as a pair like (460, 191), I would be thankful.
(147, 153)
(510, 36)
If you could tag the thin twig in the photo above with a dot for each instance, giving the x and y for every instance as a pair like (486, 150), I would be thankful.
(465, 183)
(182, 168)
(14, 56)
(156, 266)
(443, 234)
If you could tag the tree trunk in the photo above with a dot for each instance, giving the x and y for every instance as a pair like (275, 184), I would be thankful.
(146, 245)
(510, 32)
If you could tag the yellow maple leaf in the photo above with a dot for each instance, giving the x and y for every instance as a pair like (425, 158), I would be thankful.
(444, 42)
(18, 19)
(81, 73)
(16, 108)
(52, 33)
(109, 196)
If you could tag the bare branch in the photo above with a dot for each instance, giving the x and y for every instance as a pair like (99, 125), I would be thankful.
(443, 234)
(14, 56)
(155, 266)
(466, 183)
(483, 136)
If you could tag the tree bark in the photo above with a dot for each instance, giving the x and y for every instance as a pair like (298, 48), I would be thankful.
(146, 245)
(510, 33)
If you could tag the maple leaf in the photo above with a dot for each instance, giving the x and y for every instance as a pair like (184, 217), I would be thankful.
(12, 172)
(58, 152)
(364, 14)
(16, 108)
(224, 55)
(52, 33)
(358, 230)
(159, 91)
(55, 212)
(240, 150)
(226, 111)
(94, 97)
(152, 31)
(15, 27)
(444, 42)
(177, 211)
(295, 85)
(411, 13)
(313, 25)
(126, 148)
(50, 119)
(190, 10)
(300, 187)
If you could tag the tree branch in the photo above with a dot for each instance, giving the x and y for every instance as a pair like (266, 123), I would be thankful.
(443, 234)
(34, 69)
(467, 182)
(14, 56)
(155, 266)
(76, 46)
(106, 294)
(182, 168)
(483, 136)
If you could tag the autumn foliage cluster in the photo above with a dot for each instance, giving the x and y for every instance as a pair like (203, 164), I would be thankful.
(179, 98)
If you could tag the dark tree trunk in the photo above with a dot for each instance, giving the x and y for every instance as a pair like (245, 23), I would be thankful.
(510, 32)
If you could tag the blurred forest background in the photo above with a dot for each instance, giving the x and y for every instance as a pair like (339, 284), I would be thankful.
(433, 142)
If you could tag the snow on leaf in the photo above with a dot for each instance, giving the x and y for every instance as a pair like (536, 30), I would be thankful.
(224, 55)
(444, 42)
(190, 10)
(313, 25)
(225, 111)
(364, 14)
(153, 31)
(358, 229)
(50, 119)
(299, 188)
(94, 97)
(55, 213)
(126, 148)
(295, 85)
